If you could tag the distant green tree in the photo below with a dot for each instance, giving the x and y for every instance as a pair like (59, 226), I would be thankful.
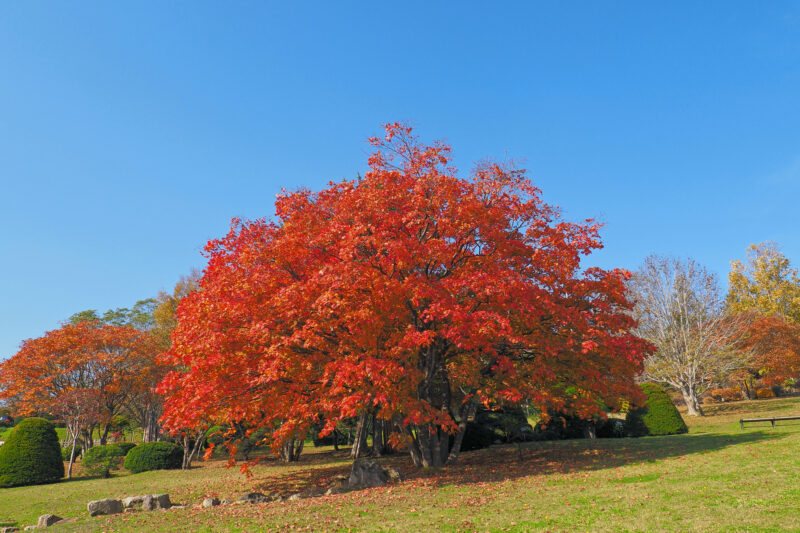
(140, 316)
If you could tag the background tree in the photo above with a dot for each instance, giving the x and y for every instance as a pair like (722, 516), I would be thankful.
(410, 294)
(83, 371)
(773, 344)
(766, 283)
(140, 316)
(150, 405)
(680, 311)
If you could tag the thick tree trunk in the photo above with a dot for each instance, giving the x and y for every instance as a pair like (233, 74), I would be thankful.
(151, 429)
(360, 443)
(380, 441)
(335, 440)
(692, 402)
(290, 452)
(429, 446)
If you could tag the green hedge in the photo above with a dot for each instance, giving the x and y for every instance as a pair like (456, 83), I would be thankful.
(659, 416)
(126, 446)
(31, 455)
(100, 460)
(154, 456)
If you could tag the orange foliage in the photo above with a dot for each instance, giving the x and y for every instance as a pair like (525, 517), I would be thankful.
(407, 293)
(764, 392)
(729, 394)
(85, 368)
(775, 345)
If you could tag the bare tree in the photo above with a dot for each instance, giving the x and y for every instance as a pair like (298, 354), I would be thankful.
(682, 313)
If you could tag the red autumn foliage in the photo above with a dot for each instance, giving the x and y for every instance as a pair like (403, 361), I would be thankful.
(410, 294)
(85, 371)
(774, 344)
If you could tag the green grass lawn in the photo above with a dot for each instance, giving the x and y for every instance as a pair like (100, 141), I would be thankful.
(717, 477)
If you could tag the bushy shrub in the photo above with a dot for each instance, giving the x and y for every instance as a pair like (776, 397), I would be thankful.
(126, 446)
(66, 451)
(100, 460)
(764, 392)
(476, 437)
(31, 455)
(154, 456)
(729, 394)
(659, 416)
(610, 428)
(561, 427)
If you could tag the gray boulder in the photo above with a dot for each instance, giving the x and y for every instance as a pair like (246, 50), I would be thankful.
(104, 506)
(367, 472)
(8, 529)
(47, 520)
(132, 502)
(253, 497)
(210, 502)
(151, 502)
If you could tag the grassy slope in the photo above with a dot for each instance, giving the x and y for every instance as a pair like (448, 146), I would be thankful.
(716, 477)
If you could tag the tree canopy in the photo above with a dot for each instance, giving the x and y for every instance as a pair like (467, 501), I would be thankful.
(765, 283)
(412, 294)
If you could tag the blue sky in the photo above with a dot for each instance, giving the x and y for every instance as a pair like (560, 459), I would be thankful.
(132, 132)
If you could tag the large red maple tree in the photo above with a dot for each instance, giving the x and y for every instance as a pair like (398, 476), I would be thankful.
(410, 294)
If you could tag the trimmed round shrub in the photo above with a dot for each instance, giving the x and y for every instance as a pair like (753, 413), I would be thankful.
(31, 455)
(126, 446)
(154, 456)
(659, 416)
(100, 460)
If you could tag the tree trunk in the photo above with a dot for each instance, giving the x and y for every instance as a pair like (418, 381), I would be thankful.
(290, 452)
(692, 403)
(74, 432)
(335, 440)
(151, 428)
(378, 448)
(104, 435)
(190, 454)
(360, 442)
(429, 445)
(466, 412)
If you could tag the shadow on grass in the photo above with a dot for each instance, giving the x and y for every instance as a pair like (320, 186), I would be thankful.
(504, 462)
(564, 457)
(752, 406)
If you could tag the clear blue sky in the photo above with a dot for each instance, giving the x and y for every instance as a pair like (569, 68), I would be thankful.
(131, 132)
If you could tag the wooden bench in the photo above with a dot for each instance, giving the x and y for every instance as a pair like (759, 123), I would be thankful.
(772, 420)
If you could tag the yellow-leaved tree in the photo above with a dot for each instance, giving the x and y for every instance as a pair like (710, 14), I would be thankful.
(765, 283)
